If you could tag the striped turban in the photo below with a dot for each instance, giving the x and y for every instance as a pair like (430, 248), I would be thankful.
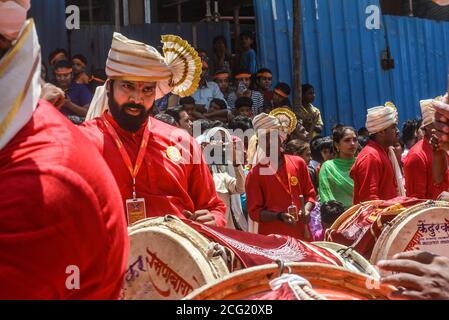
(177, 71)
(380, 118)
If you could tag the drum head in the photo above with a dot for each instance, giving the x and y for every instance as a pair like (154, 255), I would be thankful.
(350, 258)
(168, 260)
(423, 227)
(334, 283)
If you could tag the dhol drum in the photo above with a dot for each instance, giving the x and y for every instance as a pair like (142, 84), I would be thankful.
(305, 281)
(351, 260)
(361, 226)
(424, 227)
(168, 260)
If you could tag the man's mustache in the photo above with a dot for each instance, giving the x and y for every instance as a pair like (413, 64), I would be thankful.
(133, 106)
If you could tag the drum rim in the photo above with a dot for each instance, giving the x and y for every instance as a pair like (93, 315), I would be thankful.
(352, 212)
(217, 266)
(248, 280)
(354, 255)
(379, 247)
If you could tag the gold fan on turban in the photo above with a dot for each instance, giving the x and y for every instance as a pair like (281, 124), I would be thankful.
(392, 105)
(286, 117)
(185, 64)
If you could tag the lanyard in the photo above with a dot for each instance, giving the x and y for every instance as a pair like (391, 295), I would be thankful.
(133, 170)
(289, 189)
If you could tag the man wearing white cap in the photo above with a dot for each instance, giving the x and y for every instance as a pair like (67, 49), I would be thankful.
(421, 159)
(159, 169)
(274, 190)
(58, 196)
(376, 172)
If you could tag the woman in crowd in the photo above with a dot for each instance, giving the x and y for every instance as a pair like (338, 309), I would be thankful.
(227, 172)
(335, 182)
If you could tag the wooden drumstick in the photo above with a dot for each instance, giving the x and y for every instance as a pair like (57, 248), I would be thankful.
(303, 217)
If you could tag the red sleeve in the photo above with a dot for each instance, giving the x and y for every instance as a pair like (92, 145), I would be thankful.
(254, 195)
(202, 190)
(46, 231)
(415, 177)
(367, 174)
(307, 186)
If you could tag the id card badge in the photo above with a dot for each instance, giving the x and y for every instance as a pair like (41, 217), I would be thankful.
(293, 211)
(135, 208)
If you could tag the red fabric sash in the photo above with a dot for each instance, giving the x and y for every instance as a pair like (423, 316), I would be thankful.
(255, 250)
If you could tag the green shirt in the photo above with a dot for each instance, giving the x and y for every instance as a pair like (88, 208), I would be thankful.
(335, 182)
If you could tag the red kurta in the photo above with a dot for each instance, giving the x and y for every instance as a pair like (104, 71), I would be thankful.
(418, 173)
(168, 186)
(59, 207)
(373, 175)
(265, 192)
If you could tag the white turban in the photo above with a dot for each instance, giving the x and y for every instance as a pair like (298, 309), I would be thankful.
(380, 118)
(12, 17)
(178, 71)
(264, 121)
(428, 111)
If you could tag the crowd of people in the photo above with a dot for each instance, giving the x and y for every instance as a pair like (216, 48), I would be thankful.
(154, 135)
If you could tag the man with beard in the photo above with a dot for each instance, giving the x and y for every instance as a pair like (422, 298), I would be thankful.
(376, 172)
(53, 206)
(159, 170)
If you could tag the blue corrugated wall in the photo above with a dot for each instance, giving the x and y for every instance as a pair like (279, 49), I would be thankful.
(421, 50)
(49, 17)
(342, 58)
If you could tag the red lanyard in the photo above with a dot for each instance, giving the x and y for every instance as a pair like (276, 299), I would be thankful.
(289, 189)
(133, 170)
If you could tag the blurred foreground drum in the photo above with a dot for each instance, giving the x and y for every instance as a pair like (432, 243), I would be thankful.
(423, 227)
(168, 260)
(305, 281)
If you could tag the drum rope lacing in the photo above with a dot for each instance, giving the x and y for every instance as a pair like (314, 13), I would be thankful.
(300, 286)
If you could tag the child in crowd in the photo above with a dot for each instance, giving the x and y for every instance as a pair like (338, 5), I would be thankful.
(243, 107)
(248, 57)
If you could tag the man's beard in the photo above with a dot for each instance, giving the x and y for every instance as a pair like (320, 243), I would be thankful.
(126, 121)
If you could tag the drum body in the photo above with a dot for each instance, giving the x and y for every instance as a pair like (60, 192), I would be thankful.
(361, 226)
(327, 282)
(351, 260)
(168, 260)
(424, 227)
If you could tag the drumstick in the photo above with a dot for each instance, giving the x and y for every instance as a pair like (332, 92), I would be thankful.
(303, 217)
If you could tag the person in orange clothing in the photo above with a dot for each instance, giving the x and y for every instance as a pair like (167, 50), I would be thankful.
(376, 172)
(79, 63)
(62, 229)
(280, 196)
(159, 169)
